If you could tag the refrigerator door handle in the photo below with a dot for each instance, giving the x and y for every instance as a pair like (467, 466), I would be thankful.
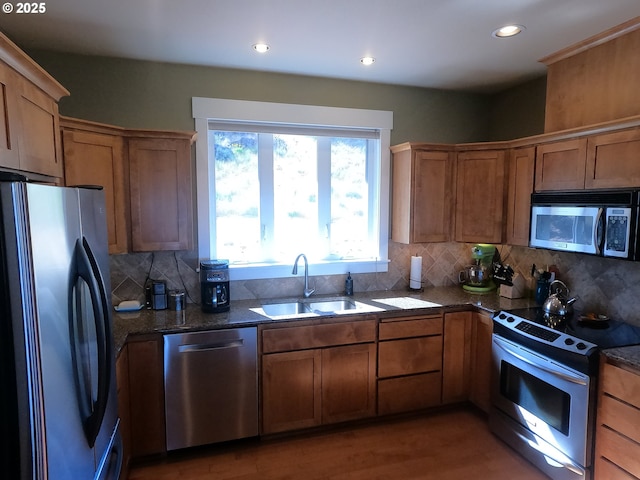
(86, 268)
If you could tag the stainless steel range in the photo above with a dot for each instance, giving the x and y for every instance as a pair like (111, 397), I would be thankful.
(545, 383)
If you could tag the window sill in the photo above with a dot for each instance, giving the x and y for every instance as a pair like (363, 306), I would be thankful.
(263, 271)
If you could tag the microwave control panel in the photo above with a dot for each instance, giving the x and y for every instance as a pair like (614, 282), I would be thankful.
(618, 227)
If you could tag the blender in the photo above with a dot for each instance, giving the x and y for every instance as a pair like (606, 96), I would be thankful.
(478, 277)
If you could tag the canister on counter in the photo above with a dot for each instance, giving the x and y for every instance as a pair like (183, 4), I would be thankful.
(176, 300)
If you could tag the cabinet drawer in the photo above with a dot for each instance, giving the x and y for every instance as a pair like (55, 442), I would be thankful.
(405, 394)
(409, 356)
(410, 327)
(619, 416)
(622, 384)
(605, 470)
(318, 336)
(618, 450)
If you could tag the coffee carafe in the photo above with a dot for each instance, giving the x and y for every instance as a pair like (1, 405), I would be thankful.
(214, 286)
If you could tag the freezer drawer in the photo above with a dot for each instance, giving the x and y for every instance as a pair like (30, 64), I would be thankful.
(211, 386)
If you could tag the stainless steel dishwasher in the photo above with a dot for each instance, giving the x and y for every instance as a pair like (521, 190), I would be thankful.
(210, 386)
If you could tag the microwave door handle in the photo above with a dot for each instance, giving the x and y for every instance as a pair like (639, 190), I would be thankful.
(598, 234)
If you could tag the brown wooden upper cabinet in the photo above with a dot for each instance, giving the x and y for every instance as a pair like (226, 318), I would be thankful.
(29, 120)
(613, 160)
(521, 177)
(421, 194)
(147, 179)
(161, 193)
(94, 155)
(606, 160)
(561, 165)
(480, 184)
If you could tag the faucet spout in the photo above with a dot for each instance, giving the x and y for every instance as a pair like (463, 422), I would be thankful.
(307, 291)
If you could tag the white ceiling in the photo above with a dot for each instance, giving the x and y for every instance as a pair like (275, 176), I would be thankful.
(425, 43)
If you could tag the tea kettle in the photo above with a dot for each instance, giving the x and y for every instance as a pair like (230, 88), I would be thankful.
(558, 302)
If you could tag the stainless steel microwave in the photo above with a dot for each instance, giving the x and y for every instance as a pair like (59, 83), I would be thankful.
(603, 223)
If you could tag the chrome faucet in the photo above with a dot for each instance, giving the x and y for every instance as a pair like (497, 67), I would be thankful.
(307, 291)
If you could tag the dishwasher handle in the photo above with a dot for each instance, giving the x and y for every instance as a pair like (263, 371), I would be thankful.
(203, 347)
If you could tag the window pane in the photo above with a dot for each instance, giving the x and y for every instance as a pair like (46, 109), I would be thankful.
(237, 196)
(295, 180)
(349, 198)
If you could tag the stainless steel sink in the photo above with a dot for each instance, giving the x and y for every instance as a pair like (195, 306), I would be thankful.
(321, 307)
(332, 306)
(284, 309)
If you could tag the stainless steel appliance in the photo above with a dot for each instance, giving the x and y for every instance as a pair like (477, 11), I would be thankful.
(601, 223)
(544, 386)
(214, 286)
(58, 405)
(211, 386)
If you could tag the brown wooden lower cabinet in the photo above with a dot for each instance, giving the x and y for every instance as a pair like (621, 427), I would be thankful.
(409, 363)
(410, 393)
(480, 384)
(330, 379)
(618, 423)
(146, 396)
(291, 390)
(456, 357)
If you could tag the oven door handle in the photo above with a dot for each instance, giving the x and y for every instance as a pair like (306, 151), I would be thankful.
(563, 463)
(562, 375)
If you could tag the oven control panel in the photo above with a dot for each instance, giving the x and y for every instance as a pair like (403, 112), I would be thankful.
(544, 334)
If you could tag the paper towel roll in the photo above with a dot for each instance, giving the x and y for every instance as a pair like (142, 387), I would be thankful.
(415, 277)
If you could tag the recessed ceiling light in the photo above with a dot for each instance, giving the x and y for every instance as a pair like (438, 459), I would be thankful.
(261, 47)
(507, 31)
(367, 60)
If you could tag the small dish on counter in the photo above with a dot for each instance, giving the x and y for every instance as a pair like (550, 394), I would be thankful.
(128, 306)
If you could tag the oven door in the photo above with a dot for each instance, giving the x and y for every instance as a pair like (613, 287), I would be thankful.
(546, 401)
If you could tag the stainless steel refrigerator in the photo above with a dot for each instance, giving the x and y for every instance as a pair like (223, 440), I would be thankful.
(58, 410)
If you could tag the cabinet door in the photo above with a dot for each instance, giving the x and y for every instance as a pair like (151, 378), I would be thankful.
(421, 196)
(480, 196)
(39, 134)
(481, 365)
(9, 118)
(521, 176)
(291, 393)
(432, 197)
(456, 358)
(98, 159)
(161, 190)
(348, 383)
(561, 165)
(146, 397)
(612, 160)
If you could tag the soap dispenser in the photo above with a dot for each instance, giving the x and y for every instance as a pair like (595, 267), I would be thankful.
(348, 285)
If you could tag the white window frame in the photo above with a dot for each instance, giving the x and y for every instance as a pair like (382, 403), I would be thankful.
(224, 110)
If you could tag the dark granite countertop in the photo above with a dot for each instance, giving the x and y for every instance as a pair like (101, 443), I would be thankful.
(249, 312)
(627, 355)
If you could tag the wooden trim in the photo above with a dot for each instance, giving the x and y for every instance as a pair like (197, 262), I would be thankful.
(13, 56)
(598, 39)
(97, 127)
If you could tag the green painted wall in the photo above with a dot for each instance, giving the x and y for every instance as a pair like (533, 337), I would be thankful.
(519, 111)
(144, 94)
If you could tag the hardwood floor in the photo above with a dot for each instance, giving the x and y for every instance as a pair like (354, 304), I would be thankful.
(449, 445)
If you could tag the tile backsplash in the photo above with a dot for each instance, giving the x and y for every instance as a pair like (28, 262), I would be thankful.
(602, 285)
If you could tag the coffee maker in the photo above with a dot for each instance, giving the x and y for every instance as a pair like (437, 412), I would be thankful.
(478, 277)
(214, 286)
